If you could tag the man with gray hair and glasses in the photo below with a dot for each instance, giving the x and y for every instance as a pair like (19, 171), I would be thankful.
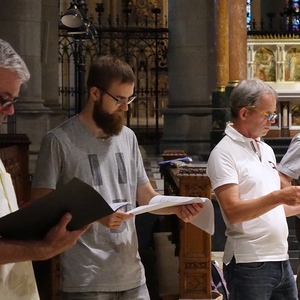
(16, 274)
(242, 170)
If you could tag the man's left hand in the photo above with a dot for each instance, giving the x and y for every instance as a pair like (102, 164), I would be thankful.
(188, 212)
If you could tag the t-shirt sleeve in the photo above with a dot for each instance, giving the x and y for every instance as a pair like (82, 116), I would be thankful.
(290, 163)
(49, 164)
(142, 176)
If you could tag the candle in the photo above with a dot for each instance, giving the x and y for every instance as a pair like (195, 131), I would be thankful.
(285, 116)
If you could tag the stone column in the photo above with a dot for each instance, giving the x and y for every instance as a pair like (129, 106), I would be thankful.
(191, 69)
(237, 41)
(20, 25)
(237, 46)
(31, 28)
(219, 98)
(222, 44)
(256, 13)
(49, 43)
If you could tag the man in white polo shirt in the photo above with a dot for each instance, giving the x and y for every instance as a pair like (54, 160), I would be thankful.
(242, 170)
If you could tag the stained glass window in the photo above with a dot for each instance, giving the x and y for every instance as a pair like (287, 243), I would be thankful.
(249, 14)
(295, 20)
(291, 15)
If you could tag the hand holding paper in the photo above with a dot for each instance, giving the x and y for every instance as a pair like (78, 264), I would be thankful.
(115, 219)
(204, 220)
(187, 212)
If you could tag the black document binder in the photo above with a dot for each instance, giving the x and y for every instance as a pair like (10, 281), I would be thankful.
(33, 221)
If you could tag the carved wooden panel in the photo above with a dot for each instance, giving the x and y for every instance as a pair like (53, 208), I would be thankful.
(194, 263)
(195, 244)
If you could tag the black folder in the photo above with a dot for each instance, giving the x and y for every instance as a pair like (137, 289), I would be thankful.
(33, 221)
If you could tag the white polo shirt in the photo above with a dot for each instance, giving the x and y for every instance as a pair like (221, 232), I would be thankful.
(235, 160)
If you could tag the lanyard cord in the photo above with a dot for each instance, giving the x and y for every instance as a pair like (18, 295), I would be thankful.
(255, 148)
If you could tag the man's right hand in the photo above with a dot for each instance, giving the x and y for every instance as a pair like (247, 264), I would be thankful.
(289, 195)
(59, 239)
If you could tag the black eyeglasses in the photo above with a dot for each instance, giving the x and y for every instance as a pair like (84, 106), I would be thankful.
(120, 101)
(5, 103)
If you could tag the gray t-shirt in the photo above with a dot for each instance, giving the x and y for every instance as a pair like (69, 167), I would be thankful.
(103, 259)
(290, 163)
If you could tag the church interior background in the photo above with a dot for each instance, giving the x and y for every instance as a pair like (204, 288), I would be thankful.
(273, 55)
(179, 52)
(186, 55)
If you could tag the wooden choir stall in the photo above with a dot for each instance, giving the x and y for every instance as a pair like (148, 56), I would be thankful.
(194, 243)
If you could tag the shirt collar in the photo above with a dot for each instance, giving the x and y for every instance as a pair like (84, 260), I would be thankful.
(236, 136)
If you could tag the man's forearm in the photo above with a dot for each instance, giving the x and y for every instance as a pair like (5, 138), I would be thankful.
(17, 251)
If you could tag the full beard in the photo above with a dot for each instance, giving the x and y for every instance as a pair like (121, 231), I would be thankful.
(111, 124)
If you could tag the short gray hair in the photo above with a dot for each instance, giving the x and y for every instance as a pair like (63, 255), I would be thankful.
(10, 59)
(247, 93)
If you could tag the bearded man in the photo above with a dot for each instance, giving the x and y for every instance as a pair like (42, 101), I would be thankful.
(97, 148)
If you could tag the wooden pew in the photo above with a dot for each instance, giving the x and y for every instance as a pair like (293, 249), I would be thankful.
(14, 153)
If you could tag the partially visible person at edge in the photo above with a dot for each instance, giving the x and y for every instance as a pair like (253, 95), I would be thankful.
(243, 174)
(97, 148)
(17, 280)
(289, 171)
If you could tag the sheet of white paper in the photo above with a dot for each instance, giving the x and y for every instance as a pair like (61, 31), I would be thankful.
(116, 206)
(205, 219)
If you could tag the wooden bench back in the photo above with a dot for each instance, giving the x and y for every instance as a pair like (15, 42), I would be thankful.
(14, 153)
